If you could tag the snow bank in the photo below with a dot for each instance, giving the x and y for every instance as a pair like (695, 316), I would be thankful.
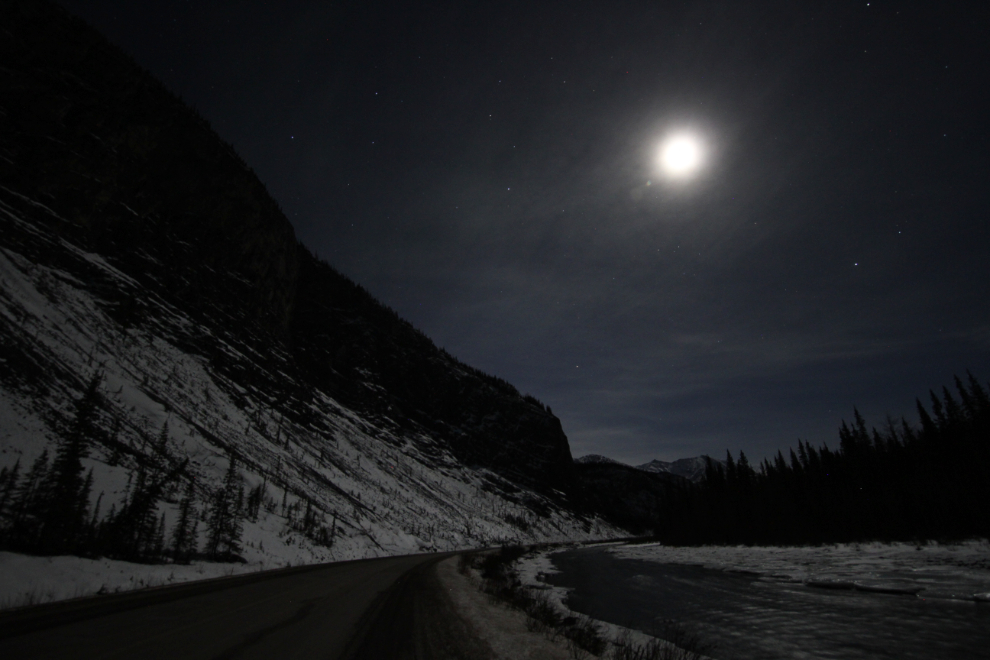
(502, 628)
(26, 580)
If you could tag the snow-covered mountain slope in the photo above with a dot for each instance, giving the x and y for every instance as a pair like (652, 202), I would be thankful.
(692, 469)
(596, 458)
(137, 247)
(389, 491)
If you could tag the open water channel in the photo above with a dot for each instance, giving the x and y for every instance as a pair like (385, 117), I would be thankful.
(748, 615)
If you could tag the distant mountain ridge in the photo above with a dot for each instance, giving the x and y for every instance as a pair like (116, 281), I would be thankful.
(596, 458)
(692, 469)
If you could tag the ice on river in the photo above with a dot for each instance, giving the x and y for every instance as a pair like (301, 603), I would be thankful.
(930, 570)
(843, 602)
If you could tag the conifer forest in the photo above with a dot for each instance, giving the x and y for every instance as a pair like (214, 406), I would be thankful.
(46, 508)
(901, 481)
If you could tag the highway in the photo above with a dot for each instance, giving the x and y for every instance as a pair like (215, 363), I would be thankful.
(377, 608)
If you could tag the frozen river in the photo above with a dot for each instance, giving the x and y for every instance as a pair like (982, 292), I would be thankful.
(844, 602)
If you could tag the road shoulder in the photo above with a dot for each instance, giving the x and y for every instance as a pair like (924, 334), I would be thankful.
(501, 628)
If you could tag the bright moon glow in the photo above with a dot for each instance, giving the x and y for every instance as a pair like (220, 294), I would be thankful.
(680, 156)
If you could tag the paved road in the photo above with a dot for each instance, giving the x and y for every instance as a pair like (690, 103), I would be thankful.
(380, 608)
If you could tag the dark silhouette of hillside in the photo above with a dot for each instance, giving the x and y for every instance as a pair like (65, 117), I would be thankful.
(631, 498)
(346, 341)
(96, 151)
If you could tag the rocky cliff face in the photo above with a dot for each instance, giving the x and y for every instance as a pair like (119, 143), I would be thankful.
(132, 174)
(137, 245)
(349, 344)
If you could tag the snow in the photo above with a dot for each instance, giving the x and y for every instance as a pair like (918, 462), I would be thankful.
(26, 580)
(503, 628)
(689, 468)
(592, 459)
(958, 571)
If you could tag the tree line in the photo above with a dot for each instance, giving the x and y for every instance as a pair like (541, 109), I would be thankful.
(47, 510)
(929, 480)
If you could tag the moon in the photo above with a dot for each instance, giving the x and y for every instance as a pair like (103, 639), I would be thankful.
(681, 155)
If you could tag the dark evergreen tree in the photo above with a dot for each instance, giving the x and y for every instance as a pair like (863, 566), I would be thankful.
(8, 482)
(115, 444)
(93, 528)
(158, 549)
(186, 532)
(255, 498)
(27, 506)
(134, 533)
(65, 514)
(161, 443)
(225, 517)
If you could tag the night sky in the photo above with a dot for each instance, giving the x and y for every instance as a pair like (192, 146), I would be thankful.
(490, 171)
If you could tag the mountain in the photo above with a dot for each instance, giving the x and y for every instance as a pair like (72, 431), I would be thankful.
(596, 458)
(634, 499)
(147, 277)
(692, 469)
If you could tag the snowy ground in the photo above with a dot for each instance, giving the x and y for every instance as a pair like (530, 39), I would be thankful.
(503, 628)
(26, 580)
